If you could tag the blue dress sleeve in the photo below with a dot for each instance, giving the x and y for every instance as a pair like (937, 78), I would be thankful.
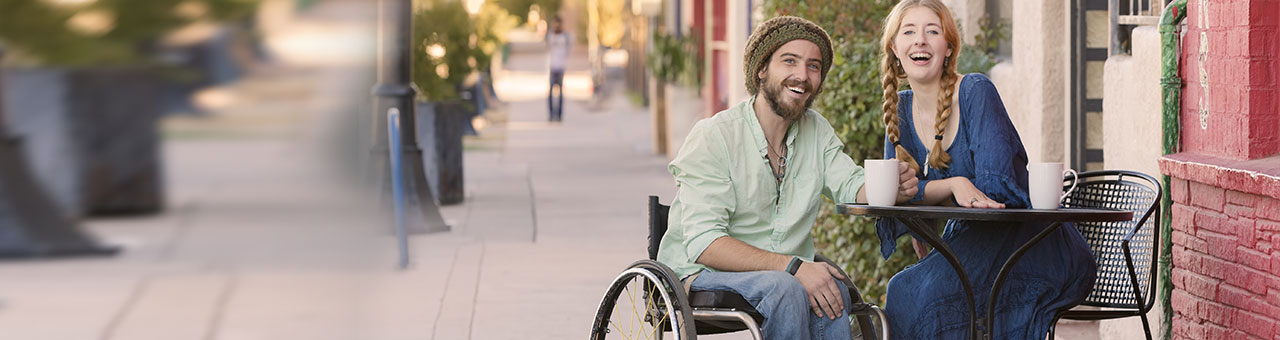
(1000, 160)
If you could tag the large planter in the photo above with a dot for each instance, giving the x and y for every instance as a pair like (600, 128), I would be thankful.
(90, 135)
(440, 129)
(684, 108)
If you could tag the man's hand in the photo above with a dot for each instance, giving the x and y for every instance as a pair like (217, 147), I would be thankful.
(907, 182)
(818, 279)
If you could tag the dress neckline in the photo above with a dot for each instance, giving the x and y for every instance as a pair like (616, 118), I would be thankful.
(915, 139)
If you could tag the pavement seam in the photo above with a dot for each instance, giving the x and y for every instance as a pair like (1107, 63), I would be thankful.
(118, 316)
(183, 226)
(533, 203)
(221, 307)
(435, 324)
(475, 295)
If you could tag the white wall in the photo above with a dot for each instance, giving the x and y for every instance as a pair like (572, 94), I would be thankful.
(1131, 124)
(1032, 84)
(967, 13)
(1132, 134)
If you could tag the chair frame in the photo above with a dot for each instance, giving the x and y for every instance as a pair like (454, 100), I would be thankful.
(1141, 305)
(719, 319)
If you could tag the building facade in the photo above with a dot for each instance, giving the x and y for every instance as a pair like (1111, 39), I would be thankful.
(1081, 80)
(1226, 177)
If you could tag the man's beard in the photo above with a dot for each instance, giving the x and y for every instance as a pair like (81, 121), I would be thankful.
(791, 113)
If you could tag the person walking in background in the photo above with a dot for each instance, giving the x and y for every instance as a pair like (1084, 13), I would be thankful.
(558, 46)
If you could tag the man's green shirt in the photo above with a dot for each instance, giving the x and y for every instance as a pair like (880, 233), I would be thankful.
(725, 186)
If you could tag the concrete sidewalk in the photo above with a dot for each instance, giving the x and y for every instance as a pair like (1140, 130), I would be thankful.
(554, 211)
(267, 234)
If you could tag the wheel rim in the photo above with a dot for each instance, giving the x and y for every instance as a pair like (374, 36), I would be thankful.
(637, 306)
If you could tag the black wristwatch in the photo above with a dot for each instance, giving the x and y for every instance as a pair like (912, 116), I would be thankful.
(794, 265)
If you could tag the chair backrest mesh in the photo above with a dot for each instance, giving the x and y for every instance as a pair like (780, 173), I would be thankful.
(1113, 287)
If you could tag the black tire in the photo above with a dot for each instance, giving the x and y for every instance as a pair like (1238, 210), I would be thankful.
(652, 285)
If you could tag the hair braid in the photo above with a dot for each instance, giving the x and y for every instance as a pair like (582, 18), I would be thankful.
(889, 80)
(938, 157)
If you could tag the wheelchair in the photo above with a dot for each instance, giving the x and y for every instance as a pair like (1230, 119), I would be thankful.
(648, 301)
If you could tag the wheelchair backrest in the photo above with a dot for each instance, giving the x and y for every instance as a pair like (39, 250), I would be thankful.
(657, 225)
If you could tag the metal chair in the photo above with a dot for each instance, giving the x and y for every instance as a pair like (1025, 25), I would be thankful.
(1125, 251)
(647, 300)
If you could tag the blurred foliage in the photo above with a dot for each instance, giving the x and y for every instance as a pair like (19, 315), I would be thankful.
(520, 8)
(450, 44)
(675, 59)
(103, 32)
(612, 25)
(992, 34)
(612, 22)
(851, 99)
(442, 26)
(492, 25)
(980, 57)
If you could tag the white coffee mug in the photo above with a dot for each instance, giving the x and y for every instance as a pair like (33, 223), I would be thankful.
(1046, 184)
(882, 181)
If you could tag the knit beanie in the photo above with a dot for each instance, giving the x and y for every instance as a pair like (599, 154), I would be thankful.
(773, 33)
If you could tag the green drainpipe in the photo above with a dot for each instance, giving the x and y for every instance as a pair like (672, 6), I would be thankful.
(1172, 99)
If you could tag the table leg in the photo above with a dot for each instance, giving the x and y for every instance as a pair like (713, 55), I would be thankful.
(1008, 267)
(930, 235)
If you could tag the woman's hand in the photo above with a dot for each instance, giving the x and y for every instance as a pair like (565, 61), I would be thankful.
(921, 249)
(969, 196)
(907, 183)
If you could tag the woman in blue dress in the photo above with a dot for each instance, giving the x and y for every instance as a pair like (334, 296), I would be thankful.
(966, 151)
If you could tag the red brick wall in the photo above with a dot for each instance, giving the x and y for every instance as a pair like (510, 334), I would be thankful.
(1225, 187)
(1243, 69)
(1226, 247)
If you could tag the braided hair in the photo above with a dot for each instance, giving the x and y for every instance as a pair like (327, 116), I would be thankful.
(892, 72)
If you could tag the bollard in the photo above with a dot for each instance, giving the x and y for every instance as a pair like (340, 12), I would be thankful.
(397, 190)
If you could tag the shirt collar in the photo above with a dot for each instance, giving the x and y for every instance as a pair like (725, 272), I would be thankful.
(758, 132)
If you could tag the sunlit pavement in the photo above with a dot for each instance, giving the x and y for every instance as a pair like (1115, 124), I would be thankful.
(267, 236)
(264, 235)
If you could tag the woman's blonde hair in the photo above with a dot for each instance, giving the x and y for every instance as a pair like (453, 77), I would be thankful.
(891, 72)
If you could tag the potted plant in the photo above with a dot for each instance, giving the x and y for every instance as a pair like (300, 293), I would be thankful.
(444, 56)
(83, 82)
(677, 71)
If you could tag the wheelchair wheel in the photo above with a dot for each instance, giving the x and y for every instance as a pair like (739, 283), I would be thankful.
(642, 303)
(863, 319)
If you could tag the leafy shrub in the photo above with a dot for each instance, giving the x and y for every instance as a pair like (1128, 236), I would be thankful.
(675, 59)
(492, 25)
(103, 32)
(449, 44)
(443, 53)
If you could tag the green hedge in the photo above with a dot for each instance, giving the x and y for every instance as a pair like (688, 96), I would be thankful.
(851, 100)
(42, 32)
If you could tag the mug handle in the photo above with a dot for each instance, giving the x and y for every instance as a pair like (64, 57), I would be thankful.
(1075, 177)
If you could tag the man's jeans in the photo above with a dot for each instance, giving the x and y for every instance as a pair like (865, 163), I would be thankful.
(783, 302)
(555, 106)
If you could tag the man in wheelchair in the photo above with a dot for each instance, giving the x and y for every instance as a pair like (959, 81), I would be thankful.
(749, 183)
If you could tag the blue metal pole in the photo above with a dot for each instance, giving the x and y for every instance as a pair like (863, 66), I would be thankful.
(397, 191)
